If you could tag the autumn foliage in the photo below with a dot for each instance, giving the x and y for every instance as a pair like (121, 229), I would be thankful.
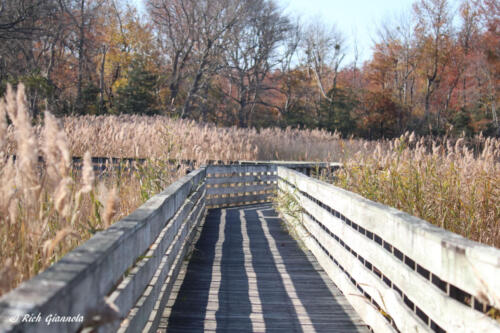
(434, 69)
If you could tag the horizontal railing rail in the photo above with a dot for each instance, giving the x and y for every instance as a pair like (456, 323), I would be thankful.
(234, 185)
(250, 182)
(103, 164)
(399, 272)
(307, 168)
(133, 264)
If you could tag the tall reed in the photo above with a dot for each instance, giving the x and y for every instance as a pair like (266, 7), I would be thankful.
(445, 183)
(47, 207)
(137, 136)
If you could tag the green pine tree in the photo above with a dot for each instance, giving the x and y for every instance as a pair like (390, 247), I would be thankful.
(336, 113)
(137, 95)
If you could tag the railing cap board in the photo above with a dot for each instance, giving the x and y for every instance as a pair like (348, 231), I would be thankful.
(223, 169)
(469, 265)
(144, 271)
(295, 164)
(233, 179)
(78, 282)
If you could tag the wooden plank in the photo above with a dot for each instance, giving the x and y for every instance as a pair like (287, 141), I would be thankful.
(370, 315)
(239, 189)
(139, 315)
(237, 169)
(132, 287)
(466, 264)
(240, 179)
(277, 312)
(172, 278)
(239, 199)
(431, 300)
(245, 296)
(288, 292)
(80, 280)
(190, 324)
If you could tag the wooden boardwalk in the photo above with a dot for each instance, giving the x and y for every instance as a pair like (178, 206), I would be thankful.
(248, 275)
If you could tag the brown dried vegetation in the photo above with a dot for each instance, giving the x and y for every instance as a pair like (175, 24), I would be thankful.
(46, 209)
(448, 183)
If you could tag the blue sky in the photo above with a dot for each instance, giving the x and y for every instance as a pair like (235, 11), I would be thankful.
(356, 19)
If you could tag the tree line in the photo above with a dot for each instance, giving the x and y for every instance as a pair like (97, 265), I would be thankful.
(434, 70)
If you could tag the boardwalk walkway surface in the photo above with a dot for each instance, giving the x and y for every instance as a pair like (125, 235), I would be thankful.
(248, 275)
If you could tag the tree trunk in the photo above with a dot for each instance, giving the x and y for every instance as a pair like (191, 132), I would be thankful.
(242, 116)
(464, 92)
(186, 109)
(101, 80)
(81, 42)
(495, 117)
(427, 109)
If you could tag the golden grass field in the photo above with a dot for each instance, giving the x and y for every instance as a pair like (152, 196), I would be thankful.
(46, 211)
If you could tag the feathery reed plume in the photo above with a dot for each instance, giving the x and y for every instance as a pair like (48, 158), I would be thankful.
(7, 274)
(27, 178)
(8, 190)
(87, 184)
(3, 129)
(441, 182)
(50, 244)
(38, 203)
(62, 196)
(11, 104)
(110, 207)
(55, 149)
(87, 173)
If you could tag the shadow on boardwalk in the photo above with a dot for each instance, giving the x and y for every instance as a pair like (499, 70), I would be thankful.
(247, 274)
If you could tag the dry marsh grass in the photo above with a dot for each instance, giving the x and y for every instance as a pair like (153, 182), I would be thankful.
(446, 183)
(48, 209)
(136, 136)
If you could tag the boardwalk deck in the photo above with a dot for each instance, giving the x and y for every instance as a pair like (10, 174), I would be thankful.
(248, 275)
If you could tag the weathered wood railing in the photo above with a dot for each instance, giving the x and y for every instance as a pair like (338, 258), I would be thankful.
(134, 264)
(234, 185)
(252, 182)
(399, 272)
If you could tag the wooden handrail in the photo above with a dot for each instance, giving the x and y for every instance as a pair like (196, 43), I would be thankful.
(415, 274)
(116, 262)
